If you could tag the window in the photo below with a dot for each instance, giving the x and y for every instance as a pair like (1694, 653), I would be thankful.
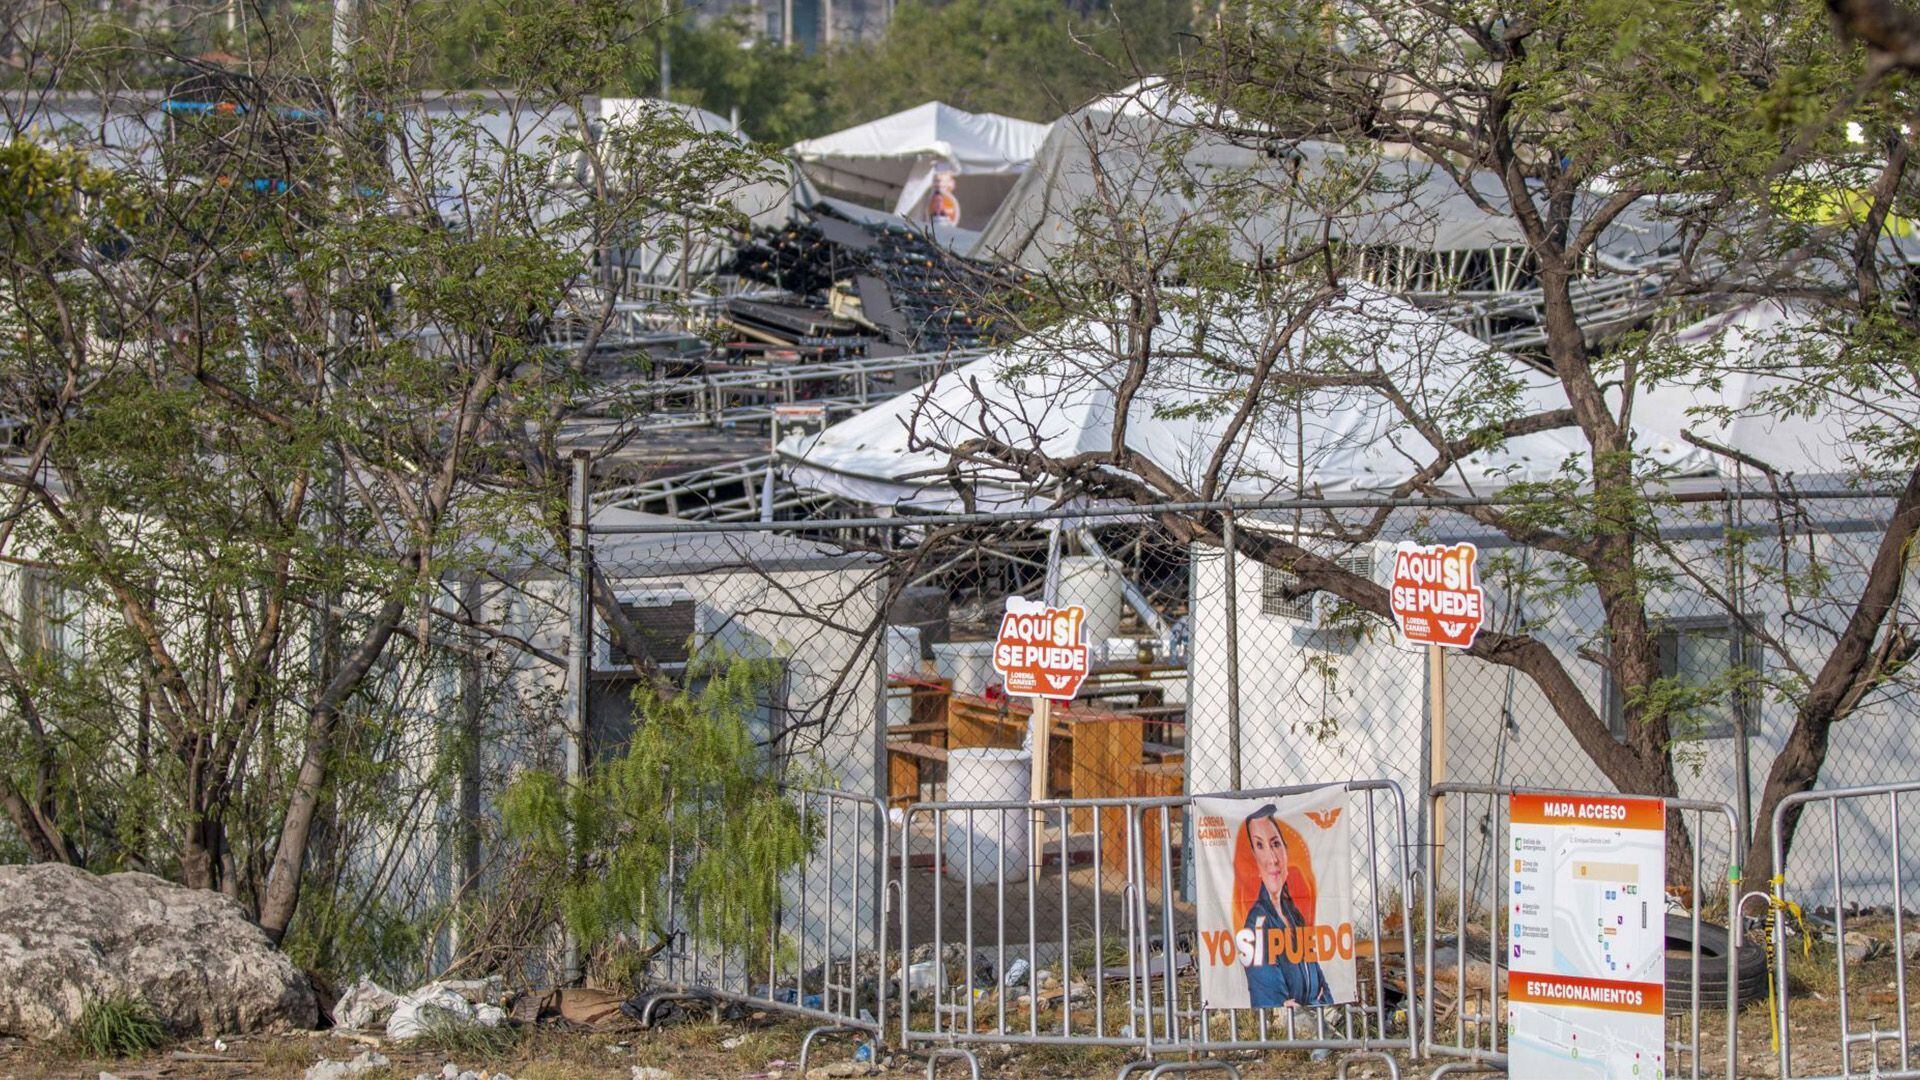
(1274, 582)
(1699, 652)
(49, 623)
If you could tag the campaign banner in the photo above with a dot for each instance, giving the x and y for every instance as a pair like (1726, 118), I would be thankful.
(1586, 978)
(1275, 901)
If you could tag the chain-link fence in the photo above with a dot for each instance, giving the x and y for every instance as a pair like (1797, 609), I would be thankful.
(1234, 648)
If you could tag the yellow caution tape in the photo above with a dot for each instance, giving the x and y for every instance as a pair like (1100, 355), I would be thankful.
(1776, 902)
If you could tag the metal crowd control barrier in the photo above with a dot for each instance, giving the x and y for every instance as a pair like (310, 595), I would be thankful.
(1083, 936)
(1889, 1053)
(826, 960)
(1469, 845)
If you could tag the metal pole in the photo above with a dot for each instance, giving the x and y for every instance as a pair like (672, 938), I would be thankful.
(342, 41)
(666, 57)
(1742, 760)
(1229, 546)
(1437, 739)
(466, 849)
(579, 643)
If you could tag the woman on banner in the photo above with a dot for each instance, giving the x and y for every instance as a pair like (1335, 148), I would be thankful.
(1281, 972)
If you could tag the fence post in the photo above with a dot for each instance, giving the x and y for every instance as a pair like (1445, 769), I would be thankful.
(579, 646)
(1229, 544)
(1742, 746)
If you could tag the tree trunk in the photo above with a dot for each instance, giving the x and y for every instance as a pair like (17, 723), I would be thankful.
(36, 826)
(1855, 663)
(282, 896)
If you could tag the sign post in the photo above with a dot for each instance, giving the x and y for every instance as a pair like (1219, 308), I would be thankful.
(1041, 653)
(1437, 602)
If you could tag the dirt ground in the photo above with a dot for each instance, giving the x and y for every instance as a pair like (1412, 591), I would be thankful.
(766, 1047)
(695, 1050)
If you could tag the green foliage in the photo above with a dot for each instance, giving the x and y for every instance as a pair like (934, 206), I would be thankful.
(782, 95)
(117, 1025)
(261, 425)
(692, 805)
(340, 931)
(1033, 59)
(1028, 58)
(463, 1040)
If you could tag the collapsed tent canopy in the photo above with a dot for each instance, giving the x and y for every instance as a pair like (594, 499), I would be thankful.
(891, 162)
(1156, 149)
(1056, 395)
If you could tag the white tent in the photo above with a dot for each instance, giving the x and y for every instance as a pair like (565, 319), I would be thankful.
(892, 160)
(1160, 151)
(1056, 394)
(1156, 96)
(1760, 355)
(759, 201)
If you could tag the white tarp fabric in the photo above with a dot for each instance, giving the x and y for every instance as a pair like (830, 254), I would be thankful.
(1760, 399)
(952, 237)
(1156, 96)
(895, 157)
(1056, 394)
(1150, 148)
(760, 201)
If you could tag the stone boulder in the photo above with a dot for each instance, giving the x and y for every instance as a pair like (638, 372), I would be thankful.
(68, 936)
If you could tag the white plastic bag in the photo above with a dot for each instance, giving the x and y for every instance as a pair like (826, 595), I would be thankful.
(421, 1010)
(365, 1004)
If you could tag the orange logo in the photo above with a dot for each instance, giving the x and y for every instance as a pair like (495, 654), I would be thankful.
(1324, 818)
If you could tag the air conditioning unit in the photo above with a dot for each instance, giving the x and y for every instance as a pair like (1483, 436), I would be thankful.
(666, 620)
(1313, 610)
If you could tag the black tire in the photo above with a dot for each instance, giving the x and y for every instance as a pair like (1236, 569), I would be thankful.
(1751, 975)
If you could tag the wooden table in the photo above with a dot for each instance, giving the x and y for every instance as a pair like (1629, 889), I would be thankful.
(1159, 780)
(920, 742)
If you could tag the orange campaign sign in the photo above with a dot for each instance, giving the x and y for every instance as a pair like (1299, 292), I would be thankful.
(1040, 651)
(1436, 596)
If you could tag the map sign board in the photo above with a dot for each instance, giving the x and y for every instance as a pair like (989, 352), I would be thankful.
(1436, 594)
(1586, 976)
(1041, 651)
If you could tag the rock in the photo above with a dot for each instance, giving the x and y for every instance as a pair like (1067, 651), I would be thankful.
(648, 1072)
(365, 1004)
(1910, 944)
(365, 1061)
(68, 936)
(1857, 946)
(732, 1042)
